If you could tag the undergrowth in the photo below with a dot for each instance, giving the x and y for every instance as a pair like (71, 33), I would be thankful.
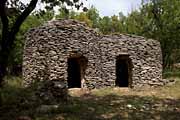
(105, 104)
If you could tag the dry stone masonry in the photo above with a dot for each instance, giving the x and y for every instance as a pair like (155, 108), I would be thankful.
(69, 51)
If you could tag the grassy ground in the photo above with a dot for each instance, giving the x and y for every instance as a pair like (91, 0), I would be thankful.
(104, 104)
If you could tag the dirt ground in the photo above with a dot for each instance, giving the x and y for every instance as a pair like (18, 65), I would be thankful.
(161, 103)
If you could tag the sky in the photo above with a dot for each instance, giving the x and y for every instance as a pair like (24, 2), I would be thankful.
(111, 7)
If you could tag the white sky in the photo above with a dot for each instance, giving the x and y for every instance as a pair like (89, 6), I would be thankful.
(109, 7)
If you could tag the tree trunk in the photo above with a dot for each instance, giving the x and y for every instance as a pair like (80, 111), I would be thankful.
(3, 66)
(6, 46)
(8, 34)
(2, 73)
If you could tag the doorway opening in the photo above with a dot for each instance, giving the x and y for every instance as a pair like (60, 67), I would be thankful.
(123, 71)
(76, 71)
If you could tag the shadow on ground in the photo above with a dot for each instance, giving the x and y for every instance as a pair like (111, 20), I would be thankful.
(18, 102)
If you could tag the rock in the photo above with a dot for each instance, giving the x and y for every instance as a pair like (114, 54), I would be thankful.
(171, 80)
(176, 65)
(46, 108)
(54, 58)
(129, 106)
(53, 91)
(23, 118)
(52, 53)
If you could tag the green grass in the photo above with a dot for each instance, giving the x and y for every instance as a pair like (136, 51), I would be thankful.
(171, 73)
(104, 104)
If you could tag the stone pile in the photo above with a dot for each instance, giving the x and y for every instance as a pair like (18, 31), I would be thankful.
(53, 91)
(48, 48)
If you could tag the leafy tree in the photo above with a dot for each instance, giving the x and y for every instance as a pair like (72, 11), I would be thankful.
(63, 13)
(90, 17)
(93, 15)
(83, 17)
(134, 23)
(105, 25)
(122, 22)
(13, 13)
(115, 24)
(163, 18)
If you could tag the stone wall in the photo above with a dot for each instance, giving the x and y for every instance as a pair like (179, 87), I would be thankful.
(145, 55)
(48, 48)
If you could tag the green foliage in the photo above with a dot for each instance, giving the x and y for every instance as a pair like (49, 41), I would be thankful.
(171, 73)
(93, 15)
(134, 23)
(162, 18)
(83, 17)
(105, 25)
(63, 13)
(34, 20)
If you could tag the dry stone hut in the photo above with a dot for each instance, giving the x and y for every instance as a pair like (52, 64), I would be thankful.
(70, 51)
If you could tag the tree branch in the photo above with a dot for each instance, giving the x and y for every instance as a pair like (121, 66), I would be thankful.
(23, 16)
(3, 15)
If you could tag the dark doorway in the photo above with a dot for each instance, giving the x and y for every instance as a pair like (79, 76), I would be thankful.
(76, 70)
(123, 71)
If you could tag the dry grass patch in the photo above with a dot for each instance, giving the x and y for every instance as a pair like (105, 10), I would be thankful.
(169, 91)
(103, 104)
